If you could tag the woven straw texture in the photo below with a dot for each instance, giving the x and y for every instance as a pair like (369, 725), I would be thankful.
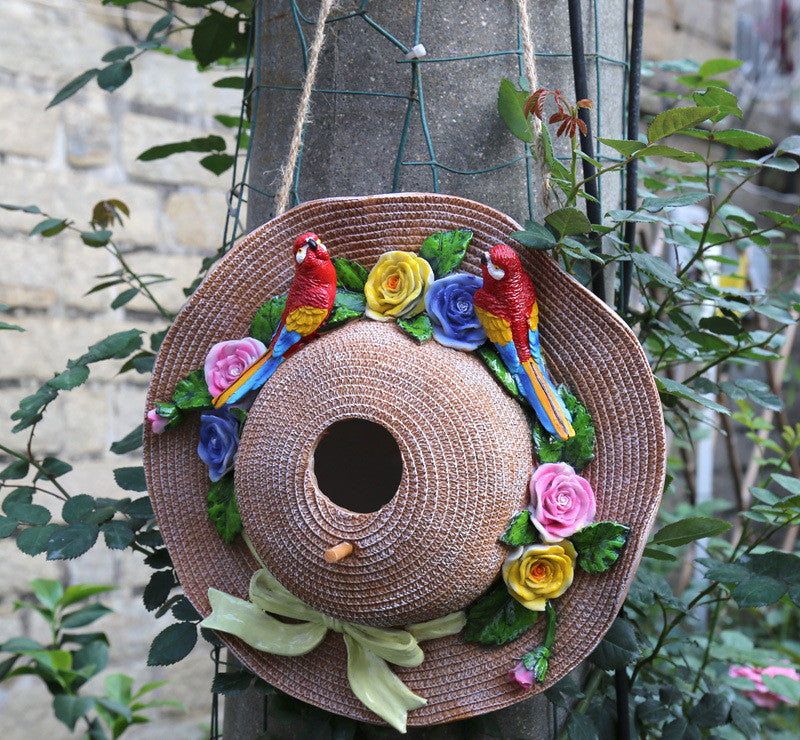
(463, 443)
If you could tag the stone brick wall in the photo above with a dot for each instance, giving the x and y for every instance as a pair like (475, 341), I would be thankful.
(65, 160)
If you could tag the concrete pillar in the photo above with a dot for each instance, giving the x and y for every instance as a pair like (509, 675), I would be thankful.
(366, 134)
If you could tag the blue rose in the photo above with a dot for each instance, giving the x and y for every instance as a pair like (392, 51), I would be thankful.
(449, 305)
(219, 440)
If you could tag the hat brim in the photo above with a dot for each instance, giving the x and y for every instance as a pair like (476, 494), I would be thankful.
(587, 345)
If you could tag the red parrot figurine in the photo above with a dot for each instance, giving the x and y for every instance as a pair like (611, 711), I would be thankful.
(506, 307)
(308, 304)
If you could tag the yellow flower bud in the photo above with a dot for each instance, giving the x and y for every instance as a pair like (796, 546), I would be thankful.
(396, 286)
(536, 573)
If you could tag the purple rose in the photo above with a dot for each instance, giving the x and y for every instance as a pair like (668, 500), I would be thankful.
(226, 361)
(219, 440)
(449, 305)
(562, 501)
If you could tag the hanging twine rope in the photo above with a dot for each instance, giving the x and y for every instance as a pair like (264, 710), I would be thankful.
(296, 145)
(529, 67)
(282, 197)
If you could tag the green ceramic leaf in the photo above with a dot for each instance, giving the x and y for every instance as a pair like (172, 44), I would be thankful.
(420, 329)
(497, 618)
(520, 531)
(492, 360)
(222, 508)
(350, 275)
(267, 318)
(599, 545)
(192, 393)
(577, 451)
(445, 250)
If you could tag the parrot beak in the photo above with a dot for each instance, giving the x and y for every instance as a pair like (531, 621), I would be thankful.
(498, 273)
(485, 258)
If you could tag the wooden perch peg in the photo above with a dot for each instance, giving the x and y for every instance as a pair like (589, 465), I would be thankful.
(338, 552)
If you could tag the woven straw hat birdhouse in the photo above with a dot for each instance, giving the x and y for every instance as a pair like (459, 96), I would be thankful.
(376, 476)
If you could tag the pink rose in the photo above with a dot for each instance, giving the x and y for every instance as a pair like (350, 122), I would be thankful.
(760, 695)
(157, 423)
(522, 676)
(562, 502)
(226, 361)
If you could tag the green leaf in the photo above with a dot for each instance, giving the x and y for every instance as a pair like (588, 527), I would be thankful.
(680, 390)
(493, 361)
(15, 470)
(741, 139)
(70, 378)
(788, 482)
(21, 645)
(48, 591)
(742, 718)
(577, 451)
(511, 107)
(350, 275)
(18, 506)
(688, 530)
(114, 75)
(783, 686)
(211, 143)
(183, 611)
(445, 250)
(711, 711)
(77, 508)
(677, 119)
(670, 152)
(497, 618)
(222, 508)
(34, 540)
(535, 236)
(162, 24)
(156, 592)
(599, 545)
(420, 328)
(618, 648)
(191, 393)
(49, 227)
(91, 658)
(125, 297)
(69, 709)
(84, 616)
(118, 53)
(520, 531)
(130, 442)
(82, 591)
(653, 205)
(232, 683)
(140, 508)
(71, 541)
(721, 325)
(8, 526)
(24, 209)
(723, 99)
(96, 238)
(217, 163)
(118, 535)
(568, 222)
(625, 147)
(759, 591)
(131, 479)
(267, 319)
(714, 67)
(230, 83)
(655, 554)
(212, 37)
(172, 644)
(73, 86)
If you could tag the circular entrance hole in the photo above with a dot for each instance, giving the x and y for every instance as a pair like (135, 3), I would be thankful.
(358, 465)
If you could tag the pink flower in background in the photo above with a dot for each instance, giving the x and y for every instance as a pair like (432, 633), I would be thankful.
(760, 695)
(562, 501)
(157, 423)
(226, 361)
(522, 676)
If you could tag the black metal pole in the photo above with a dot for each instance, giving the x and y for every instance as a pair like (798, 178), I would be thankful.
(632, 170)
(593, 211)
(623, 704)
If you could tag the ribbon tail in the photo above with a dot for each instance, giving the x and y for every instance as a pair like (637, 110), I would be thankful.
(395, 646)
(258, 629)
(451, 624)
(374, 684)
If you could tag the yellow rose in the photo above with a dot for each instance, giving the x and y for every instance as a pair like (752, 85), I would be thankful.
(536, 573)
(396, 286)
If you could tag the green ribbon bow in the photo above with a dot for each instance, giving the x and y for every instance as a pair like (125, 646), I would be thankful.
(369, 649)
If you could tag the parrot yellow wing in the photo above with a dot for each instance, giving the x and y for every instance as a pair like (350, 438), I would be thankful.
(305, 320)
(533, 319)
(497, 330)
